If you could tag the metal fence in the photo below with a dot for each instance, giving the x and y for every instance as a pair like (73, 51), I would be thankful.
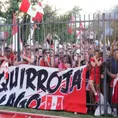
(84, 33)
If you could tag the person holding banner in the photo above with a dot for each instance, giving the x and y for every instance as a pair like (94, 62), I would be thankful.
(8, 56)
(65, 63)
(2, 59)
(44, 60)
(5, 62)
(26, 57)
(61, 60)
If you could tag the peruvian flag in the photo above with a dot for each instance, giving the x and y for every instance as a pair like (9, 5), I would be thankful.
(36, 11)
(15, 35)
(54, 102)
(79, 32)
(70, 27)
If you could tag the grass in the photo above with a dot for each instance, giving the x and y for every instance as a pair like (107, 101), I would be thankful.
(57, 113)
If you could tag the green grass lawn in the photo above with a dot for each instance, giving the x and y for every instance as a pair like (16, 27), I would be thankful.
(57, 113)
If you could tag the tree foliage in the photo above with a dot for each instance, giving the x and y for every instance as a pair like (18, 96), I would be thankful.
(52, 23)
(114, 24)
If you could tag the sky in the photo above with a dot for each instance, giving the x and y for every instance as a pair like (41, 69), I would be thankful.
(88, 6)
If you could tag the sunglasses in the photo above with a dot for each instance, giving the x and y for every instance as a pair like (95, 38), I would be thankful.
(60, 52)
(48, 52)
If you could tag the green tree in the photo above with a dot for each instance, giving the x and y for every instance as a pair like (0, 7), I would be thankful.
(76, 10)
(52, 23)
(12, 6)
(114, 24)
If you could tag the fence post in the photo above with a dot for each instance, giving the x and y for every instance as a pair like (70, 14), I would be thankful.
(105, 69)
(19, 58)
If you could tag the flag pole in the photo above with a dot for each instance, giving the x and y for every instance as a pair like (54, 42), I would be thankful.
(18, 41)
(43, 29)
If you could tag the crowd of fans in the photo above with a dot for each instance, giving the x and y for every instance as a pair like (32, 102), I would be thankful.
(70, 56)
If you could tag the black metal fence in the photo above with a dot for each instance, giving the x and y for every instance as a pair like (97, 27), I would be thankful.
(75, 37)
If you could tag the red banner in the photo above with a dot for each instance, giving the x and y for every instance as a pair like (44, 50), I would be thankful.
(44, 88)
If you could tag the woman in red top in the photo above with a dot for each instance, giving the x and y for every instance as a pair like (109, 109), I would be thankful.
(26, 57)
(95, 74)
(45, 60)
(12, 58)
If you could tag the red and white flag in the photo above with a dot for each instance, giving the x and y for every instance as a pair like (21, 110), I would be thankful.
(15, 35)
(70, 27)
(54, 102)
(79, 32)
(36, 11)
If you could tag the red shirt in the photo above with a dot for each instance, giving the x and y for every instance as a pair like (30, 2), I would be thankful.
(62, 66)
(44, 63)
(12, 57)
(95, 69)
(25, 61)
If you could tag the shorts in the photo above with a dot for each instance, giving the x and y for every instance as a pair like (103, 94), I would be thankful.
(95, 78)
